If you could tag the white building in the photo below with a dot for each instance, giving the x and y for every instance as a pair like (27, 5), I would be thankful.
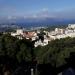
(40, 43)
(71, 26)
(19, 31)
(59, 31)
(56, 34)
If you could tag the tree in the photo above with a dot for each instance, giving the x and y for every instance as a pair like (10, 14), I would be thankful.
(55, 52)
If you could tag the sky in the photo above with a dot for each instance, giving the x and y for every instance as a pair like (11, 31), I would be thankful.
(37, 8)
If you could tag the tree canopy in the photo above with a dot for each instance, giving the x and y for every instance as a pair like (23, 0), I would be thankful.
(14, 51)
(55, 52)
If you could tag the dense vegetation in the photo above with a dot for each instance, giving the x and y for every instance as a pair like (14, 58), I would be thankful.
(14, 52)
(56, 51)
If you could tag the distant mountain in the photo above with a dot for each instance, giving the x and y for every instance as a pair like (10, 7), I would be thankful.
(37, 21)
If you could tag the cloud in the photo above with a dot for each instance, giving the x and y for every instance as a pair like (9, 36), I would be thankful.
(62, 14)
(12, 13)
(45, 9)
(66, 14)
(41, 14)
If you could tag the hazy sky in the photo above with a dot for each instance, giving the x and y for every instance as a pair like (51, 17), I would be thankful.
(37, 8)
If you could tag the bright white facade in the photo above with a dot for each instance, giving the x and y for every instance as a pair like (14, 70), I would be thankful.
(71, 26)
(52, 35)
(62, 33)
(59, 31)
(40, 43)
(19, 31)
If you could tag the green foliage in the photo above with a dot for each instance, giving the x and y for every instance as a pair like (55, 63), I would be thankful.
(24, 53)
(56, 51)
(15, 48)
(23, 50)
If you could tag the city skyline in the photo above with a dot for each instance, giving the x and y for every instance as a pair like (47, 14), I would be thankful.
(37, 9)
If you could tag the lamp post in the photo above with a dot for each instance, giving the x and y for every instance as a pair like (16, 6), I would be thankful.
(32, 71)
(36, 69)
(32, 57)
(34, 61)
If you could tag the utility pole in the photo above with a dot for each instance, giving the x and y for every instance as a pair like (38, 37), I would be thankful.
(32, 71)
(36, 69)
(34, 61)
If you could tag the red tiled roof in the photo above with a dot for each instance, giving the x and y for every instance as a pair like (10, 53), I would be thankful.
(28, 34)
